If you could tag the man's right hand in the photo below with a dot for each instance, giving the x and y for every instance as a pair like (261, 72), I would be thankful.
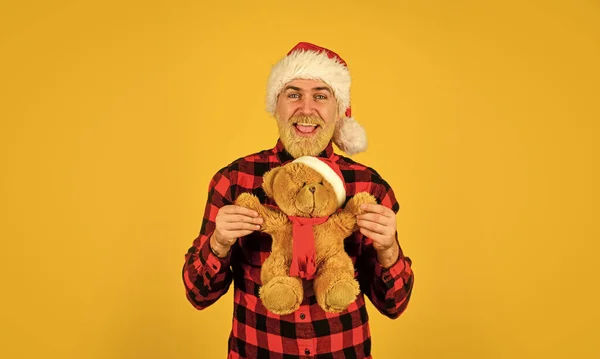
(231, 223)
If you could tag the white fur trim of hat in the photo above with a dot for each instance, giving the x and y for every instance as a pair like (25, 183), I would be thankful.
(309, 61)
(331, 175)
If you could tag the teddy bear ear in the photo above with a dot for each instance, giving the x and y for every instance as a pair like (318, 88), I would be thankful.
(268, 179)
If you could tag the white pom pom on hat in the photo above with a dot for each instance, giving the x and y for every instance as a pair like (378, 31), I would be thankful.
(309, 61)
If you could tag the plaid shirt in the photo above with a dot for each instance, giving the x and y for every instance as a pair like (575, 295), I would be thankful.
(309, 332)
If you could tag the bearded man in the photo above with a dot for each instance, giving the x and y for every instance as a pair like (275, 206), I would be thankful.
(308, 94)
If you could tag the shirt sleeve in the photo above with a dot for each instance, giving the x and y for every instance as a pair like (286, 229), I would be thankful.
(389, 289)
(207, 277)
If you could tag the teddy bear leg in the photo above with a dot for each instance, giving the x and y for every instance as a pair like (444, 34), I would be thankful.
(335, 286)
(280, 293)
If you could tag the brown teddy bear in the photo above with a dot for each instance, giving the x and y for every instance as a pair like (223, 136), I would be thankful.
(308, 230)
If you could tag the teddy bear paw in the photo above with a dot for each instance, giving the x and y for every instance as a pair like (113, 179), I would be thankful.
(282, 295)
(340, 295)
(359, 199)
(248, 200)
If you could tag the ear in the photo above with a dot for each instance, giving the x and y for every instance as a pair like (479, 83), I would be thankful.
(268, 180)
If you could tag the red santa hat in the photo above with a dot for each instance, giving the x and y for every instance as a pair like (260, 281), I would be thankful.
(330, 172)
(309, 61)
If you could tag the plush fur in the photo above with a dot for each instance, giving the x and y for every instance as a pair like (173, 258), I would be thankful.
(299, 190)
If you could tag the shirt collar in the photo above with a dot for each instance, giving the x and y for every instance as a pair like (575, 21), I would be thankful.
(284, 156)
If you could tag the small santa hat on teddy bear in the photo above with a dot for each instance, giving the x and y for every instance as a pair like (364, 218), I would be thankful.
(310, 61)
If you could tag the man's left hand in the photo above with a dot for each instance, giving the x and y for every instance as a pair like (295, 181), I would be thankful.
(379, 224)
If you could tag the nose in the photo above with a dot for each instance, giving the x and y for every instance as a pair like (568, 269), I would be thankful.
(312, 189)
(307, 106)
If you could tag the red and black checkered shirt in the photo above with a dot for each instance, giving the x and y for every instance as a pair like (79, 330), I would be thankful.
(309, 332)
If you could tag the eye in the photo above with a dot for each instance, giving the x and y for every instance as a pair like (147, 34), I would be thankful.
(321, 183)
(321, 97)
(294, 95)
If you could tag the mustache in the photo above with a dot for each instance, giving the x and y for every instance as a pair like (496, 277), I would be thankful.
(311, 120)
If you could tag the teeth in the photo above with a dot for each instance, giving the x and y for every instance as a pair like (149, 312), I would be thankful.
(306, 124)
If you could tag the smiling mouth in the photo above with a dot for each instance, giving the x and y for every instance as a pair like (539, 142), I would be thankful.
(305, 128)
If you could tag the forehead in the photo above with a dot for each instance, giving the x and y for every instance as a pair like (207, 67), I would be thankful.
(307, 85)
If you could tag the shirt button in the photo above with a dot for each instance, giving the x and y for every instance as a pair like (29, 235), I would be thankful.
(306, 351)
(302, 316)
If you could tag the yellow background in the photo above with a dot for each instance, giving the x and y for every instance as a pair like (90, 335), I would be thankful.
(482, 115)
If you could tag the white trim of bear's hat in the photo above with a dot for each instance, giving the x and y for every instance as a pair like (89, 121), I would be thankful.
(329, 174)
(309, 61)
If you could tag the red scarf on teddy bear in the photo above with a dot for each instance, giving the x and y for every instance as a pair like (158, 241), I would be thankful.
(303, 251)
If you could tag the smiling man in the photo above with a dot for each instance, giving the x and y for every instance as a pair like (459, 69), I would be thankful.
(308, 94)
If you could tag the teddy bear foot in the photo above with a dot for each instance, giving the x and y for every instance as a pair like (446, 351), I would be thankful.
(282, 295)
(340, 296)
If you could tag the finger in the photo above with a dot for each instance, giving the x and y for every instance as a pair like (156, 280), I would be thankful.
(377, 208)
(375, 217)
(236, 226)
(376, 237)
(236, 218)
(233, 209)
(375, 227)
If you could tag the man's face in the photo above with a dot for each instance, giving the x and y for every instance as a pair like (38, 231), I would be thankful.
(306, 114)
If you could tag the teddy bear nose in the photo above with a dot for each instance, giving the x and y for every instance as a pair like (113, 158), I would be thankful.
(312, 189)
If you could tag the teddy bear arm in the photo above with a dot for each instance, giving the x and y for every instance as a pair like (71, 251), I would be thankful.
(344, 221)
(273, 219)
(341, 224)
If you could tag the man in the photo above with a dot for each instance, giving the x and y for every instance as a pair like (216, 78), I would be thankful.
(309, 96)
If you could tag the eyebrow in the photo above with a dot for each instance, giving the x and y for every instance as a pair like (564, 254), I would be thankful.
(322, 88)
(314, 88)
